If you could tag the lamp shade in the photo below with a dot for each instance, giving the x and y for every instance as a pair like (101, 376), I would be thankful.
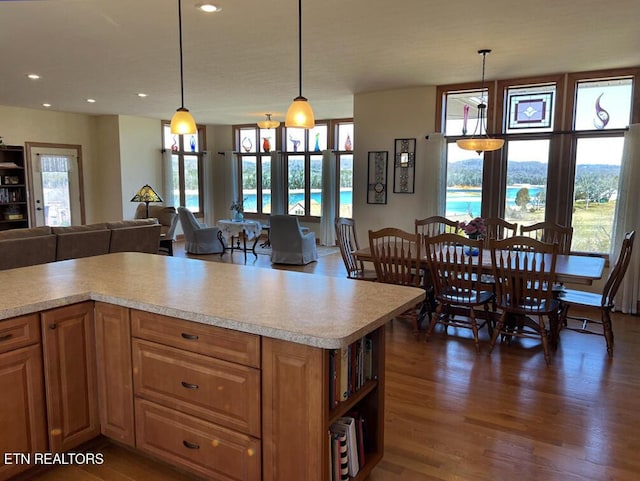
(268, 123)
(300, 114)
(183, 122)
(146, 194)
(480, 144)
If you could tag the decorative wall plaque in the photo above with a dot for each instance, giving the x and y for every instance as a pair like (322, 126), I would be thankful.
(377, 177)
(404, 166)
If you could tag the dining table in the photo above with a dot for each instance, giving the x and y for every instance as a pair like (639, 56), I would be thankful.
(570, 268)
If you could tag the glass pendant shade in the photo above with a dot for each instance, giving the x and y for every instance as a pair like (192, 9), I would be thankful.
(300, 114)
(183, 122)
(268, 123)
(481, 143)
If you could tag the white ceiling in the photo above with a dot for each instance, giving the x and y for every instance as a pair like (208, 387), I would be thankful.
(243, 61)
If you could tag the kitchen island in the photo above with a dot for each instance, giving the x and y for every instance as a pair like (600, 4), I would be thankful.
(254, 346)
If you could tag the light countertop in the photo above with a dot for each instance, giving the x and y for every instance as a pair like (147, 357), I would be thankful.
(310, 309)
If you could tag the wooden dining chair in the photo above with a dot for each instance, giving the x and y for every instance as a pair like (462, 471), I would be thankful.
(524, 270)
(436, 225)
(551, 233)
(347, 240)
(604, 302)
(396, 257)
(453, 264)
(498, 228)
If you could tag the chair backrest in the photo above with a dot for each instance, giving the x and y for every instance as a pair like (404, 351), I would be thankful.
(453, 263)
(619, 270)
(188, 221)
(550, 233)
(498, 228)
(396, 256)
(348, 242)
(524, 270)
(436, 225)
(285, 232)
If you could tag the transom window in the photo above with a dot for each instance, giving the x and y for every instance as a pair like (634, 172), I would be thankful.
(561, 159)
(301, 152)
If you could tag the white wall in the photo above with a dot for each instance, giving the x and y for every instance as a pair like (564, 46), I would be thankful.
(379, 119)
(140, 159)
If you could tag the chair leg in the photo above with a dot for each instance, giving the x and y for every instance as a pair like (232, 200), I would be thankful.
(608, 331)
(545, 341)
(434, 321)
(496, 331)
(474, 328)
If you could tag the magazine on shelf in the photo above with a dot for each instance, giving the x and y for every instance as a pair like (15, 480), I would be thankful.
(347, 425)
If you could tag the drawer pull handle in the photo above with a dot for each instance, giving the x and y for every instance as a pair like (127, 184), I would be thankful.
(190, 337)
(189, 445)
(6, 337)
(53, 325)
(188, 385)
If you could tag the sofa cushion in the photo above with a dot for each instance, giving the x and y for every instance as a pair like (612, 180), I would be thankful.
(121, 224)
(82, 243)
(27, 251)
(79, 228)
(140, 238)
(24, 233)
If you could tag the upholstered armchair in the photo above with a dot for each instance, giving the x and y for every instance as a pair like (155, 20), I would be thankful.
(289, 245)
(198, 238)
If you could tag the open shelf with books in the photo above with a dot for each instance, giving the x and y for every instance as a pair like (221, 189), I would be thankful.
(14, 208)
(300, 412)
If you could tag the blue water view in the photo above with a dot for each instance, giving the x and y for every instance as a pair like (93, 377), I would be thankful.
(460, 202)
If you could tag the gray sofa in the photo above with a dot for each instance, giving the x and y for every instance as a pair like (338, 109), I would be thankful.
(39, 245)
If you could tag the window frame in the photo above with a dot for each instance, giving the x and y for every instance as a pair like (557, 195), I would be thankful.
(280, 141)
(181, 154)
(563, 139)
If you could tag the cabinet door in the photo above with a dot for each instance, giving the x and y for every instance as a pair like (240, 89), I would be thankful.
(22, 416)
(294, 412)
(68, 337)
(115, 384)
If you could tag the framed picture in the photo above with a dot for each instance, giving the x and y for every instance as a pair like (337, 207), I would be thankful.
(404, 166)
(11, 180)
(377, 177)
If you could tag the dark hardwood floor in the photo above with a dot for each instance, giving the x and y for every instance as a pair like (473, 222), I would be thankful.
(454, 415)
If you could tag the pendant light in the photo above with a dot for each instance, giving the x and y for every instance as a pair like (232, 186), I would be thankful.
(300, 113)
(182, 121)
(481, 143)
(268, 123)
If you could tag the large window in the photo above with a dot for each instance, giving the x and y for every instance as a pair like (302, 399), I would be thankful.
(187, 152)
(561, 159)
(301, 152)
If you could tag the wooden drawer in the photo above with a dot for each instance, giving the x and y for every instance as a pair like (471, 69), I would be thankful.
(211, 451)
(19, 332)
(226, 344)
(222, 392)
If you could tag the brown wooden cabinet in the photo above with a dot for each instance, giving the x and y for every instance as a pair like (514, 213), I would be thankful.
(68, 338)
(22, 409)
(115, 382)
(297, 416)
(197, 396)
(14, 207)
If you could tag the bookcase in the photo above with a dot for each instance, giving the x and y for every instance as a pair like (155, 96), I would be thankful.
(298, 412)
(14, 207)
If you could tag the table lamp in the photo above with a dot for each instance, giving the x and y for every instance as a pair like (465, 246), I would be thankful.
(146, 194)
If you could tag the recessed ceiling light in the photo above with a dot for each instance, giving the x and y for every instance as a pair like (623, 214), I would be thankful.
(46, 105)
(208, 7)
(142, 94)
(33, 76)
(91, 101)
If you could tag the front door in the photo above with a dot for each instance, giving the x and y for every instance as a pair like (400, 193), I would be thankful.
(55, 185)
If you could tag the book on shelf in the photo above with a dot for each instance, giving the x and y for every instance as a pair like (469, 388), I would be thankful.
(349, 369)
(339, 456)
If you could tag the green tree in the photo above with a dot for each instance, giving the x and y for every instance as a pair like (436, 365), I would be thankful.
(523, 198)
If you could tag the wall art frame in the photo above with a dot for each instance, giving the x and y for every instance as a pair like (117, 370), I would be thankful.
(377, 177)
(404, 179)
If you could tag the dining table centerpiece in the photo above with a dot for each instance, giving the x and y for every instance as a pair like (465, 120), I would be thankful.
(475, 229)
(237, 207)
